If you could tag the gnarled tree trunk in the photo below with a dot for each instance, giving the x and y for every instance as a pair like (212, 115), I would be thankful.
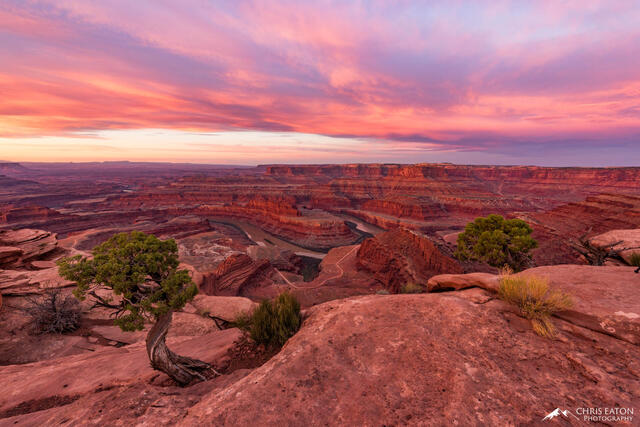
(181, 369)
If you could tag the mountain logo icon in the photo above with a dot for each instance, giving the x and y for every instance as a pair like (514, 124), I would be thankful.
(557, 412)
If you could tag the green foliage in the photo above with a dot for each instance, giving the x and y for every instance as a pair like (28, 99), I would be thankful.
(497, 241)
(635, 259)
(140, 269)
(272, 323)
(242, 321)
(411, 288)
(535, 301)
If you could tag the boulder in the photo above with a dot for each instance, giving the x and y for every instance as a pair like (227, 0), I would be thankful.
(33, 244)
(457, 282)
(628, 238)
(227, 308)
(451, 238)
(42, 265)
(430, 359)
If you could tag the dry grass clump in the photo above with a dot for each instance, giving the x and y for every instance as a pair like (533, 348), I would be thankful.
(635, 259)
(411, 288)
(535, 300)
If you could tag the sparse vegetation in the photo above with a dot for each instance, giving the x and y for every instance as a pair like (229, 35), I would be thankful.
(141, 272)
(273, 322)
(411, 288)
(383, 292)
(535, 301)
(598, 255)
(53, 313)
(203, 313)
(242, 321)
(497, 241)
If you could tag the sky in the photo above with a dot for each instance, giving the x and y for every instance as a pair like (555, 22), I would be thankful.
(282, 81)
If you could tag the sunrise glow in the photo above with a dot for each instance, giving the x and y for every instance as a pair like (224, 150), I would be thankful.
(248, 82)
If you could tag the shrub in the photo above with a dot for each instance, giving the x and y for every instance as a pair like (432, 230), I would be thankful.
(144, 272)
(635, 259)
(497, 241)
(411, 288)
(382, 292)
(535, 301)
(53, 313)
(272, 323)
(242, 321)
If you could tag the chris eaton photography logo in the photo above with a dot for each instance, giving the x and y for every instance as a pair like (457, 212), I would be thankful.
(602, 415)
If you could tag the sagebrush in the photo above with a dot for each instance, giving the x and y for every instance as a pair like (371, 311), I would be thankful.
(273, 322)
(535, 300)
(53, 313)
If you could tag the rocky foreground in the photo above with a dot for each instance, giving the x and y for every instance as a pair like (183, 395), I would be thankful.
(460, 357)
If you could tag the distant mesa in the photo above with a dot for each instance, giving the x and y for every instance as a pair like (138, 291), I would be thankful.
(13, 169)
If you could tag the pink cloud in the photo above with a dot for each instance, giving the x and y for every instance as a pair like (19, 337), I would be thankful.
(444, 73)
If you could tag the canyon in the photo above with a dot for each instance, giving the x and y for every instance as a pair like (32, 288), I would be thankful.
(340, 238)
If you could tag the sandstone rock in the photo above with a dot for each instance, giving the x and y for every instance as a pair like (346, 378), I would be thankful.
(451, 238)
(114, 333)
(462, 281)
(14, 282)
(236, 274)
(32, 243)
(628, 238)
(9, 255)
(41, 265)
(227, 308)
(139, 404)
(283, 260)
(182, 325)
(605, 298)
(432, 359)
(191, 325)
(399, 257)
(84, 373)
(600, 213)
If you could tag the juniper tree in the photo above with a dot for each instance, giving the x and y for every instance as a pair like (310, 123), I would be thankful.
(142, 273)
(497, 241)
